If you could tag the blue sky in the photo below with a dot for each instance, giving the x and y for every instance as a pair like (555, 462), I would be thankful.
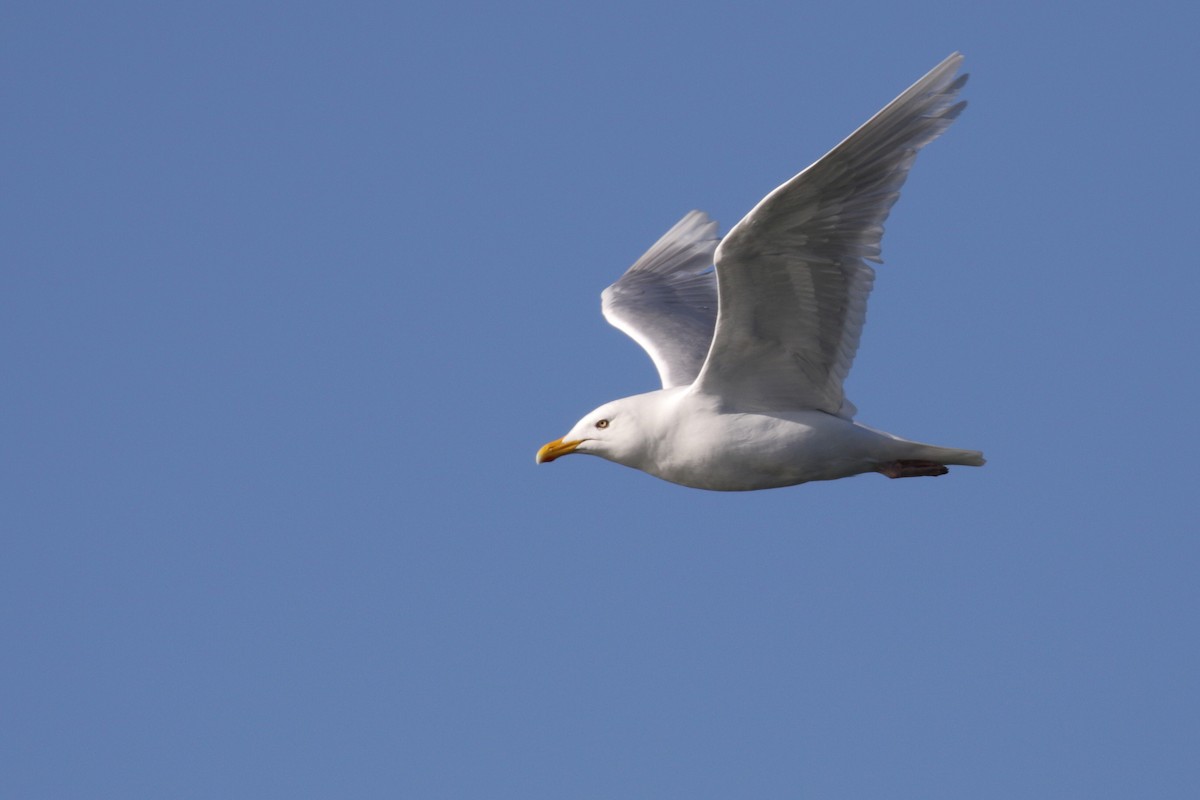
(293, 292)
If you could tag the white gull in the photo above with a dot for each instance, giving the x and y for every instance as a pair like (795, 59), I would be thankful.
(752, 354)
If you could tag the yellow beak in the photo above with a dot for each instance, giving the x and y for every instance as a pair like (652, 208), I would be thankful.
(552, 450)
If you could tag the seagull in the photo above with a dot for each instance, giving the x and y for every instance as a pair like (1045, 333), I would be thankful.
(753, 335)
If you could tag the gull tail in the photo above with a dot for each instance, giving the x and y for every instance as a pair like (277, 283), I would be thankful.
(907, 450)
(927, 460)
(948, 455)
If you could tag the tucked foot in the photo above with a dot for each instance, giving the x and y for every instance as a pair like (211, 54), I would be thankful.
(912, 469)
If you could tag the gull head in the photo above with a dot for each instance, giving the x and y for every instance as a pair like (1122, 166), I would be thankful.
(615, 431)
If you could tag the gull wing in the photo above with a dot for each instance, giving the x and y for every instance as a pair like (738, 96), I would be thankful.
(793, 276)
(667, 301)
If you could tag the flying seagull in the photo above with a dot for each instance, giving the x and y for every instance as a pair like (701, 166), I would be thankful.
(753, 334)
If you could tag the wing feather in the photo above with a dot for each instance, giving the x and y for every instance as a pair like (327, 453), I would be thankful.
(667, 301)
(793, 277)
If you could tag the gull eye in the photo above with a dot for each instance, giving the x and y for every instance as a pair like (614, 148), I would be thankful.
(602, 424)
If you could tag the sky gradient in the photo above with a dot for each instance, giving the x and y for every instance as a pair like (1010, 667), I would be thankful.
(292, 294)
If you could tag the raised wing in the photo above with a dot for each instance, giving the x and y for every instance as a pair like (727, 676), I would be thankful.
(667, 301)
(793, 276)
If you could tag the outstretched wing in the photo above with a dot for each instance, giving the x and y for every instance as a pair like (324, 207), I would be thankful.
(793, 276)
(667, 301)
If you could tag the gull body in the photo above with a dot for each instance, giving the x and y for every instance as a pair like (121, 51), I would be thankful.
(683, 437)
(752, 354)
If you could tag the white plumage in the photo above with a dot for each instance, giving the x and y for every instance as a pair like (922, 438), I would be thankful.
(753, 354)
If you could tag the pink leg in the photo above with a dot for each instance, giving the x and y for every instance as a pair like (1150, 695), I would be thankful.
(912, 469)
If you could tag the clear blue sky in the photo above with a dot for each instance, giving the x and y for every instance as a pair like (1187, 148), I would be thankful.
(291, 293)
